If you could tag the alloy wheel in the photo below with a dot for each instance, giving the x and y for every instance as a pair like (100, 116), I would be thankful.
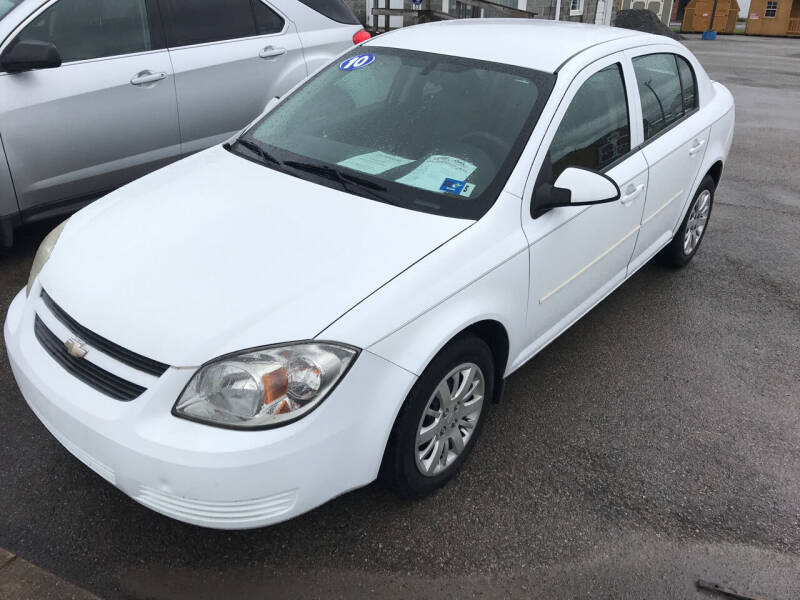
(449, 419)
(696, 225)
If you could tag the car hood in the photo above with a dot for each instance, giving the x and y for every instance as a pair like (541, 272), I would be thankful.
(215, 254)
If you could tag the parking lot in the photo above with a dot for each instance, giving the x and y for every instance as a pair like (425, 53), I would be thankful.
(654, 443)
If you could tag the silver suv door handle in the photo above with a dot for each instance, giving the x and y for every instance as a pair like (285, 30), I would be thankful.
(145, 77)
(271, 52)
(696, 147)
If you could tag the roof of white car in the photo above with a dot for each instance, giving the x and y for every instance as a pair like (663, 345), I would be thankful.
(533, 43)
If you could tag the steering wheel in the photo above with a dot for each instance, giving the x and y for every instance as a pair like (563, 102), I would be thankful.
(494, 145)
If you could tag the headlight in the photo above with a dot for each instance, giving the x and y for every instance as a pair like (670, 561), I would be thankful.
(43, 254)
(264, 388)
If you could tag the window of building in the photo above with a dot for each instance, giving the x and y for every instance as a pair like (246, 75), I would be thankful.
(772, 8)
(595, 130)
(576, 7)
(83, 30)
(660, 91)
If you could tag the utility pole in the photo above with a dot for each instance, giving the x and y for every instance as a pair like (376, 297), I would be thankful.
(711, 34)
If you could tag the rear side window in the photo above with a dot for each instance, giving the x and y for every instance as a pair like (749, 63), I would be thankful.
(267, 20)
(595, 130)
(688, 84)
(662, 95)
(191, 22)
(335, 10)
(83, 30)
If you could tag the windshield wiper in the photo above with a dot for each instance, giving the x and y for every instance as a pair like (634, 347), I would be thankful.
(256, 149)
(344, 179)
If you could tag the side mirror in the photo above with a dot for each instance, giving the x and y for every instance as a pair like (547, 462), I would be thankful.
(28, 55)
(574, 187)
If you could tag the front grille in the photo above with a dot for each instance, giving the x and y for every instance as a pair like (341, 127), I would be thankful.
(111, 349)
(89, 373)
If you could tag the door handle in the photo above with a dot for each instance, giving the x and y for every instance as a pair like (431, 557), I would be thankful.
(696, 147)
(271, 52)
(145, 77)
(631, 193)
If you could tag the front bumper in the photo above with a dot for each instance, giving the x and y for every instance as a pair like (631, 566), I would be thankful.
(201, 474)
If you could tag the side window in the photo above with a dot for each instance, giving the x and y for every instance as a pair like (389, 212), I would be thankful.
(267, 20)
(595, 130)
(688, 84)
(336, 10)
(659, 90)
(191, 22)
(86, 29)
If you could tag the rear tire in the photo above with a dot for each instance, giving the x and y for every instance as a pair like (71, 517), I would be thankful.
(690, 234)
(441, 419)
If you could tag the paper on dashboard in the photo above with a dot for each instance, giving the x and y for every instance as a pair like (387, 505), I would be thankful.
(435, 169)
(374, 163)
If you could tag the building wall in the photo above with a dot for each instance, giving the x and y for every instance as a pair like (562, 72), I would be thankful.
(744, 8)
(697, 16)
(759, 24)
(544, 9)
(662, 8)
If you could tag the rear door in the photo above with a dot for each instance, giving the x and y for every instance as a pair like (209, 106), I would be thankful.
(675, 140)
(230, 57)
(105, 117)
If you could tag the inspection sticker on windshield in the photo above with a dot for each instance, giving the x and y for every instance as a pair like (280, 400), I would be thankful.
(374, 163)
(431, 174)
(454, 186)
(356, 62)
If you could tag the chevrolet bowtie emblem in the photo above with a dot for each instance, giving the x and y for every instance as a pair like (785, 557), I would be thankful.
(75, 348)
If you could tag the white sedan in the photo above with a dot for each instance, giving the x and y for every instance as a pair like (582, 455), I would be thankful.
(338, 292)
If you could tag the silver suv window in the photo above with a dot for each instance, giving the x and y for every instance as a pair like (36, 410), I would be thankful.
(189, 22)
(336, 10)
(86, 29)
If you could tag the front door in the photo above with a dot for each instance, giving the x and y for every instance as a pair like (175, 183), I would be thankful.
(578, 254)
(230, 58)
(675, 142)
(105, 117)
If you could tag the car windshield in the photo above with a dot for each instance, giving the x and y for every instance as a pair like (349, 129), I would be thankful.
(423, 131)
(6, 6)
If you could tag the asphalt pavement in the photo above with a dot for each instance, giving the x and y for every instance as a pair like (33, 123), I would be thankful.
(656, 442)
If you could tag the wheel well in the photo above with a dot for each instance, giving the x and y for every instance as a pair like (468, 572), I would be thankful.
(716, 172)
(496, 337)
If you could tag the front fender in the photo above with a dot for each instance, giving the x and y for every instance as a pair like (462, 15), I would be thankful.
(481, 274)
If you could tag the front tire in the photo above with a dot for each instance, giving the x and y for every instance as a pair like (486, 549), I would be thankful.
(440, 419)
(687, 239)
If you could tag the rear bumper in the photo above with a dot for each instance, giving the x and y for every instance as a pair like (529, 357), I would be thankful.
(206, 475)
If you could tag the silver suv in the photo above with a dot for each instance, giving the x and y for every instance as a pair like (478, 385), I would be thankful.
(95, 93)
